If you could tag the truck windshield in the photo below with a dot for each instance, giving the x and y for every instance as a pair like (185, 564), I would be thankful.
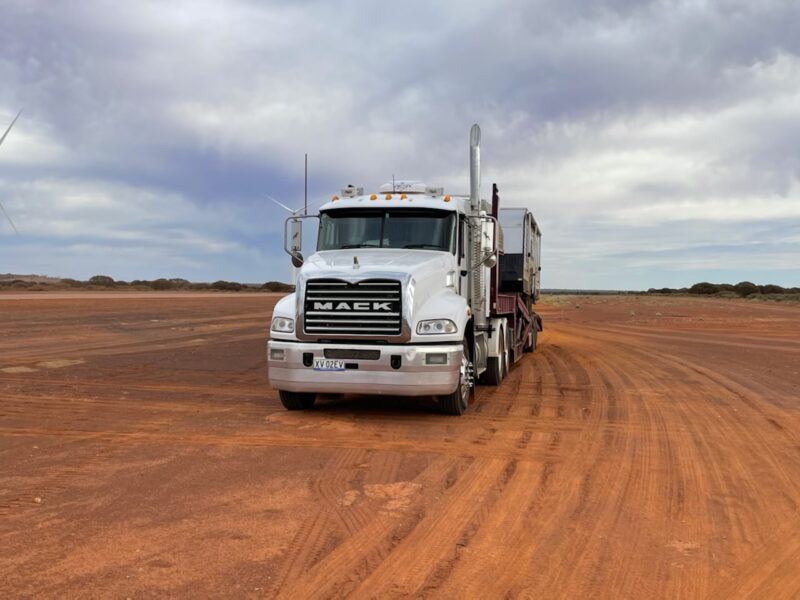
(397, 228)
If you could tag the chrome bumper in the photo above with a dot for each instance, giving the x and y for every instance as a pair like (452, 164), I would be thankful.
(413, 378)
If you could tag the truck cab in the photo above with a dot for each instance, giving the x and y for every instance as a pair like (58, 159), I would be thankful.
(396, 300)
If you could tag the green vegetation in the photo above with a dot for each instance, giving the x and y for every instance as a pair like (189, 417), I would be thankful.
(743, 289)
(35, 283)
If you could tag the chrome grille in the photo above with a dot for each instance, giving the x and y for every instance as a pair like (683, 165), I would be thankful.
(335, 307)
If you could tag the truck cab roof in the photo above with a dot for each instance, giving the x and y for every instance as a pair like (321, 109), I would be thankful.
(395, 200)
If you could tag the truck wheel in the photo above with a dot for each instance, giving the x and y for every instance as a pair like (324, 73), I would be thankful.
(530, 345)
(457, 402)
(496, 367)
(297, 400)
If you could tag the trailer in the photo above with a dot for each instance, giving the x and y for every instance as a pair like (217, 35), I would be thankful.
(411, 291)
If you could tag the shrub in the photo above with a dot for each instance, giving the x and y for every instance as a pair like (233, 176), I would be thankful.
(277, 286)
(103, 280)
(228, 286)
(180, 284)
(771, 289)
(72, 282)
(703, 288)
(162, 284)
(745, 288)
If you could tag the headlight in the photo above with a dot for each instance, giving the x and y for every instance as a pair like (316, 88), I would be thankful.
(436, 326)
(282, 324)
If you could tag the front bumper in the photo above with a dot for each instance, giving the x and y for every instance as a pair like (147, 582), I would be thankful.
(413, 378)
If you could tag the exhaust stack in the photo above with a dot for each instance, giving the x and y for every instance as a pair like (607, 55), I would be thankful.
(476, 279)
(475, 169)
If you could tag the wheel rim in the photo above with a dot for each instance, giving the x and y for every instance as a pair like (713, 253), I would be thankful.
(503, 360)
(464, 381)
(464, 376)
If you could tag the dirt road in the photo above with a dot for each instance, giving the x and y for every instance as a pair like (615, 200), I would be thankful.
(649, 448)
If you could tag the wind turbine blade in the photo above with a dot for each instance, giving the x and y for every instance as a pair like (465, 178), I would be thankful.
(283, 206)
(3, 208)
(2, 139)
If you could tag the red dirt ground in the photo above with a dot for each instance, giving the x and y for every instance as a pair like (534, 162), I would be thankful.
(649, 448)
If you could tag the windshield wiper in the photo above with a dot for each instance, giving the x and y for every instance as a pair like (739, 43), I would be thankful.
(436, 246)
(361, 245)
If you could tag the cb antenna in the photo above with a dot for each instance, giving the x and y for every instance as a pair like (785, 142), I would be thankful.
(393, 190)
(305, 189)
(3, 208)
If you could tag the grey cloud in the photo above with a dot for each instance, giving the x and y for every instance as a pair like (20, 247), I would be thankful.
(590, 111)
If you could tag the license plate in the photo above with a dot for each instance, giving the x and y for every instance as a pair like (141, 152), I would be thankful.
(326, 364)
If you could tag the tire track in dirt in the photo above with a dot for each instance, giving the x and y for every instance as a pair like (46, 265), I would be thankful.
(730, 484)
(120, 383)
(119, 348)
(345, 566)
(431, 541)
(618, 459)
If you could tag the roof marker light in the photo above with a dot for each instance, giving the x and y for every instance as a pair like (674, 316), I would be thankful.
(373, 197)
(403, 196)
(334, 198)
(388, 196)
(447, 198)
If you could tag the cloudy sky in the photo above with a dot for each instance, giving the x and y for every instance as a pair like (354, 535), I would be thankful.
(657, 143)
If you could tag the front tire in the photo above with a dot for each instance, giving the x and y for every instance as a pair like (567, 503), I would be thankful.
(297, 400)
(457, 402)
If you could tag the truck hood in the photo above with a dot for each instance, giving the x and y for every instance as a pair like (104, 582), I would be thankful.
(384, 260)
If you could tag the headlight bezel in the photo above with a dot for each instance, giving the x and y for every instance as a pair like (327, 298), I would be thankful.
(437, 327)
(282, 325)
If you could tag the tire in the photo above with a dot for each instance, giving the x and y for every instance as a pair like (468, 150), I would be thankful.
(530, 343)
(496, 368)
(457, 402)
(509, 355)
(297, 400)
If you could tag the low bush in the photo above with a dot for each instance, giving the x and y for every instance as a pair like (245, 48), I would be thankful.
(227, 286)
(745, 288)
(704, 288)
(102, 280)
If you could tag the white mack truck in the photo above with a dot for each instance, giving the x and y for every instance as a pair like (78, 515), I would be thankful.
(411, 292)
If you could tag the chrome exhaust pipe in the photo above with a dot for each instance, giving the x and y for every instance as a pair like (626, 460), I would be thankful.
(475, 169)
(476, 279)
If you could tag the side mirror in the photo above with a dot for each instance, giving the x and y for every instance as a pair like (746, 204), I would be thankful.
(293, 242)
(489, 242)
(487, 236)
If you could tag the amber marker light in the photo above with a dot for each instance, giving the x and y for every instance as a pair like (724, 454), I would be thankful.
(403, 196)
(373, 197)
(388, 196)
(447, 198)
(334, 198)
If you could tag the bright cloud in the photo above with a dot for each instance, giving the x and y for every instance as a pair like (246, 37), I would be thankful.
(656, 142)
